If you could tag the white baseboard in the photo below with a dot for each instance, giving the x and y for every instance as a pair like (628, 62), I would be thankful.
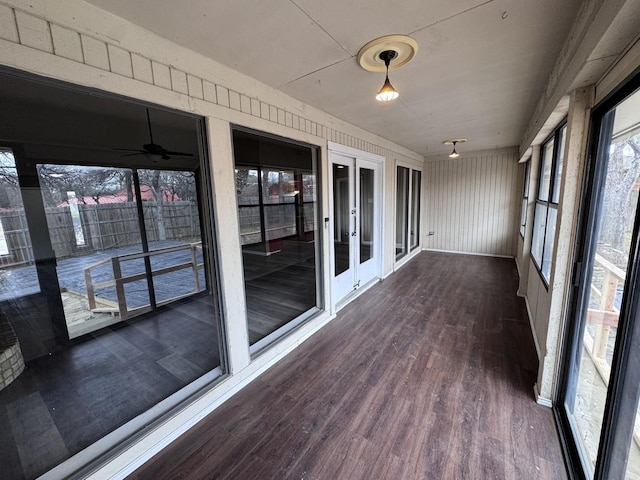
(458, 252)
(540, 400)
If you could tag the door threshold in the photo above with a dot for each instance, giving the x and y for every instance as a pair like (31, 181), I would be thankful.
(355, 294)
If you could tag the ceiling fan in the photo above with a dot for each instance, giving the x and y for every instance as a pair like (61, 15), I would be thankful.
(152, 148)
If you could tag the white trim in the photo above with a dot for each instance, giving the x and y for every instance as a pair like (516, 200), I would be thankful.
(406, 259)
(458, 252)
(354, 152)
(540, 400)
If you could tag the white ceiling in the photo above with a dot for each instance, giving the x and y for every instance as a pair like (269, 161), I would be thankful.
(479, 71)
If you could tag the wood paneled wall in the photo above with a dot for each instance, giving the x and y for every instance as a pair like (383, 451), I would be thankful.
(472, 203)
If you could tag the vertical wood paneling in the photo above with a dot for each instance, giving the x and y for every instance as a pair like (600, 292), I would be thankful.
(472, 203)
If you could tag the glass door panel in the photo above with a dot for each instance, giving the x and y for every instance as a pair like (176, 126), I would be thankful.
(415, 208)
(341, 218)
(366, 210)
(402, 211)
(605, 289)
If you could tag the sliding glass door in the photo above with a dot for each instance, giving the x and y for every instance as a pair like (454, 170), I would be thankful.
(598, 408)
(408, 190)
(277, 191)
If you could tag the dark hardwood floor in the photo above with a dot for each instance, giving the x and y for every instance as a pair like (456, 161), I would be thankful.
(428, 375)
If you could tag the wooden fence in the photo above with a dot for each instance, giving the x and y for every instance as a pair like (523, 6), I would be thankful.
(103, 227)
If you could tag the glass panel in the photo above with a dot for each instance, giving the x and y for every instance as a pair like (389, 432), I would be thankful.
(366, 214)
(247, 190)
(341, 219)
(278, 210)
(525, 199)
(402, 211)
(537, 238)
(614, 222)
(18, 274)
(559, 163)
(550, 232)
(523, 215)
(415, 208)
(545, 172)
(92, 391)
(309, 198)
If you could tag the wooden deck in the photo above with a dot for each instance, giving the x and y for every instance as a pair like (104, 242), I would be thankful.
(428, 375)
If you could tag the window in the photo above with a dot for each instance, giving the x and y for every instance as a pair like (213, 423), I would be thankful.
(525, 198)
(108, 310)
(548, 195)
(276, 188)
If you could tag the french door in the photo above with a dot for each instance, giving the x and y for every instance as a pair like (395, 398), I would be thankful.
(356, 223)
(600, 384)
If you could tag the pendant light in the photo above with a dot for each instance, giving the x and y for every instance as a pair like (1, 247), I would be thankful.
(377, 55)
(454, 141)
(387, 92)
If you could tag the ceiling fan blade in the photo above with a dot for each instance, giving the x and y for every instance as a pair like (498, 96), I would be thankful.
(133, 154)
(128, 150)
(178, 154)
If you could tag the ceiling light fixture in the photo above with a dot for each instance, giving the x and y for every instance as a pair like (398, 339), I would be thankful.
(387, 92)
(378, 54)
(454, 141)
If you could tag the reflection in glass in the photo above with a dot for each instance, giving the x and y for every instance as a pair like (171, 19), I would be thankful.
(402, 211)
(277, 211)
(341, 218)
(559, 166)
(415, 208)
(545, 173)
(538, 235)
(106, 252)
(366, 214)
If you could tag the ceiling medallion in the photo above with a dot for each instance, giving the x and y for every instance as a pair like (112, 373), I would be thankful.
(405, 48)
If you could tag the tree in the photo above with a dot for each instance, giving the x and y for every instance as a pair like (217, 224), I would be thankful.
(623, 173)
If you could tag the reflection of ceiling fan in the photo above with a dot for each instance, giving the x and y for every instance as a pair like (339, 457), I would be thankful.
(152, 148)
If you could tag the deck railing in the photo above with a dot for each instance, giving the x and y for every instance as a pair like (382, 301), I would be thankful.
(604, 318)
(119, 280)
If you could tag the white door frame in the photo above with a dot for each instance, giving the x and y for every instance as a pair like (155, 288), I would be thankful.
(338, 153)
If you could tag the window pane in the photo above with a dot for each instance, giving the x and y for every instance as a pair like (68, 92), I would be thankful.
(366, 214)
(550, 232)
(341, 218)
(537, 238)
(527, 173)
(545, 172)
(402, 211)
(523, 216)
(279, 250)
(557, 178)
(415, 208)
